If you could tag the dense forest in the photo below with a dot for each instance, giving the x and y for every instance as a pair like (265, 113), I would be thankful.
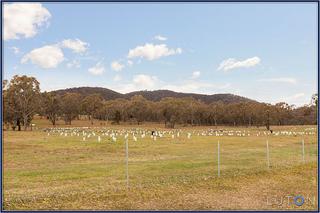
(22, 100)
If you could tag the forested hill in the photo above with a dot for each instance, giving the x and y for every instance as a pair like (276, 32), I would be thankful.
(155, 95)
(105, 93)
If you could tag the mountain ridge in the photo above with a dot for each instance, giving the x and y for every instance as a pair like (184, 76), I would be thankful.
(154, 95)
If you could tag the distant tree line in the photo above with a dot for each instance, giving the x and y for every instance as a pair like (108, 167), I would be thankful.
(22, 99)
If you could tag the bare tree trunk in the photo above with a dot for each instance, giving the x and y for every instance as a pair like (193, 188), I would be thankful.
(18, 124)
(192, 119)
(7, 126)
(25, 122)
(268, 120)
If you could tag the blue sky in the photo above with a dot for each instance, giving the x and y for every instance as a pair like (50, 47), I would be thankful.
(267, 52)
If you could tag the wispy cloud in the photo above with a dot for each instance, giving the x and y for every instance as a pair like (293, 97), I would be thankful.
(145, 81)
(76, 45)
(298, 98)
(195, 74)
(231, 63)
(196, 87)
(298, 95)
(160, 38)
(74, 64)
(280, 80)
(15, 50)
(97, 69)
(117, 78)
(130, 63)
(116, 66)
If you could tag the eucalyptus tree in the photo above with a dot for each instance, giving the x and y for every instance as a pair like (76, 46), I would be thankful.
(91, 105)
(70, 107)
(23, 99)
(51, 106)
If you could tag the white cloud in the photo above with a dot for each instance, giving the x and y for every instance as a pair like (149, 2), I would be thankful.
(117, 66)
(117, 78)
(298, 95)
(297, 99)
(46, 57)
(152, 52)
(98, 69)
(160, 38)
(280, 80)
(23, 19)
(232, 63)
(74, 64)
(15, 50)
(50, 56)
(145, 81)
(76, 45)
(139, 82)
(125, 88)
(195, 74)
(130, 63)
(196, 87)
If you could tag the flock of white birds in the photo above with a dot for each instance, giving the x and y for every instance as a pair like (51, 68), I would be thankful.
(136, 134)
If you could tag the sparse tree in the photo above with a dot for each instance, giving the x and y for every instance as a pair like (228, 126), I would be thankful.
(51, 106)
(70, 106)
(171, 110)
(137, 108)
(91, 105)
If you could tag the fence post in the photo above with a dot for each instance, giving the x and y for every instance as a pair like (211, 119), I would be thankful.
(303, 159)
(268, 158)
(127, 156)
(218, 158)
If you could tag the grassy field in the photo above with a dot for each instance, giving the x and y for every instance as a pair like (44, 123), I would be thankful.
(54, 171)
